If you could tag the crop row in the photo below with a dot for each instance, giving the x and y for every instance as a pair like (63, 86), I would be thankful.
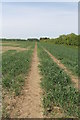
(67, 55)
(57, 86)
(14, 67)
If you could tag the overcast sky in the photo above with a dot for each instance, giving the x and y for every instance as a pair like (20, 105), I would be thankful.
(24, 20)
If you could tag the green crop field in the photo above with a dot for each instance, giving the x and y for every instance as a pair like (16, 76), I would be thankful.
(59, 90)
(60, 98)
(68, 55)
(15, 66)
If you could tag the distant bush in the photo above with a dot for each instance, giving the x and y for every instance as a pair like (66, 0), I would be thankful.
(33, 39)
(45, 38)
(6, 39)
(70, 39)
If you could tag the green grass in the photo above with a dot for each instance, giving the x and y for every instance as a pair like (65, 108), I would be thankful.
(57, 86)
(25, 44)
(22, 44)
(15, 66)
(67, 55)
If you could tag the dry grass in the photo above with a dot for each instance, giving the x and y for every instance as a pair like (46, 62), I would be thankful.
(6, 48)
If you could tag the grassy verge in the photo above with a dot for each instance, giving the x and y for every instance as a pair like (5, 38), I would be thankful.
(57, 86)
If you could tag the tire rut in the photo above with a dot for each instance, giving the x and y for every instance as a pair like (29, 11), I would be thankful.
(31, 106)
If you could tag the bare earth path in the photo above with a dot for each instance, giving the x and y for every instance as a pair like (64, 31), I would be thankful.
(73, 78)
(30, 106)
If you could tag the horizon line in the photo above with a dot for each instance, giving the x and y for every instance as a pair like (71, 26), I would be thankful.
(38, 37)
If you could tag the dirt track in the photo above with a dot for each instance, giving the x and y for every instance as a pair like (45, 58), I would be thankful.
(73, 78)
(30, 106)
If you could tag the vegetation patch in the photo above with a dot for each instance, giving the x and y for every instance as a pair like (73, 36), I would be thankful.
(67, 55)
(14, 66)
(58, 88)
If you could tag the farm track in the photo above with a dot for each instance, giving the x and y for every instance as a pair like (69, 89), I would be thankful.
(73, 78)
(29, 106)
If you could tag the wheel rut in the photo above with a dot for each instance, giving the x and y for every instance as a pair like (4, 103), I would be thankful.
(31, 106)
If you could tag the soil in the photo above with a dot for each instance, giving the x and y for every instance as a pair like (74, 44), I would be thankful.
(30, 105)
(6, 48)
(0, 49)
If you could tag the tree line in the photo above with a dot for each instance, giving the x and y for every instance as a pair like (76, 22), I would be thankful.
(70, 39)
